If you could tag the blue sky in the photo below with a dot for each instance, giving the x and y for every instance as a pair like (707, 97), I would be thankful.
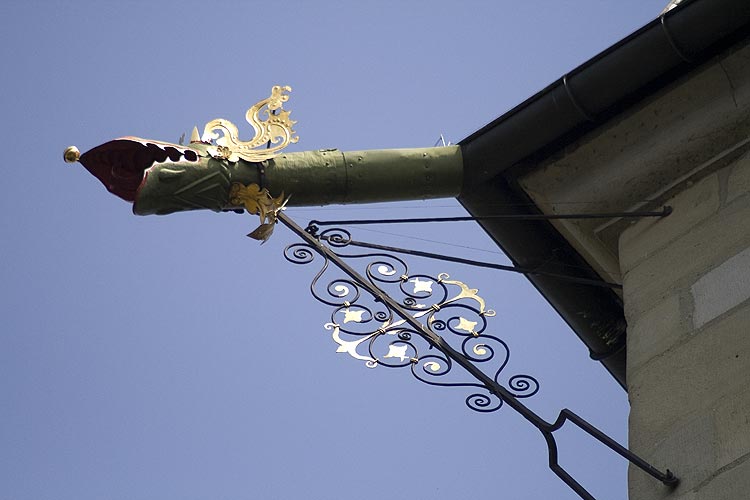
(173, 358)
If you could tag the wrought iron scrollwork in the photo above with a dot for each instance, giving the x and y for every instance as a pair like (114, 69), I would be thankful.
(369, 331)
(432, 325)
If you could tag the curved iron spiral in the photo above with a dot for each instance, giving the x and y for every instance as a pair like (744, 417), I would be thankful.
(370, 331)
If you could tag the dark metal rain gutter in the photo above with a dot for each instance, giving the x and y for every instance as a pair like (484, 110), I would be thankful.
(648, 60)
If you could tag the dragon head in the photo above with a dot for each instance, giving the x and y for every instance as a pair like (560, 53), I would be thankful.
(158, 177)
(162, 178)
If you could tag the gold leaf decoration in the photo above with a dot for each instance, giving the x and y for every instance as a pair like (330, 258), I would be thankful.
(466, 325)
(275, 131)
(353, 315)
(259, 202)
(480, 349)
(421, 286)
(397, 351)
(433, 366)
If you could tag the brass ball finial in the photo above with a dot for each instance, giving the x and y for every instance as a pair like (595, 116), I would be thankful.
(71, 154)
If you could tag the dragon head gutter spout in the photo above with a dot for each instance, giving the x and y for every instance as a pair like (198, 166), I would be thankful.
(217, 171)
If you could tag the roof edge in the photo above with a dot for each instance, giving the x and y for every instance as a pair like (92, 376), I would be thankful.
(611, 82)
(670, 45)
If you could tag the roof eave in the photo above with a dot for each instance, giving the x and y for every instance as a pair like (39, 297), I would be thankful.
(608, 84)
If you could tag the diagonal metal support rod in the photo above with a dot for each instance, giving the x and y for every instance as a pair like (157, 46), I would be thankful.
(511, 217)
(546, 428)
(488, 265)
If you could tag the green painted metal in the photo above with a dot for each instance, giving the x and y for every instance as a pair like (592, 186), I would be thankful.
(162, 178)
(332, 176)
(320, 177)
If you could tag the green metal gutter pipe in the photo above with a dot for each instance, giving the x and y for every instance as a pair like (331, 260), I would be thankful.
(162, 178)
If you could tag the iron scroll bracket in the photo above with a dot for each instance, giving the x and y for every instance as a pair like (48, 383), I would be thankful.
(403, 323)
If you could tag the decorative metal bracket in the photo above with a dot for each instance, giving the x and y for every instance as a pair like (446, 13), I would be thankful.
(376, 328)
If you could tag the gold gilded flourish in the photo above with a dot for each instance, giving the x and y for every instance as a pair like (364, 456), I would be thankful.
(400, 349)
(275, 130)
(465, 293)
(397, 351)
(350, 346)
(466, 325)
(260, 202)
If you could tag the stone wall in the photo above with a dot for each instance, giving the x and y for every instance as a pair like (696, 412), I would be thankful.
(687, 301)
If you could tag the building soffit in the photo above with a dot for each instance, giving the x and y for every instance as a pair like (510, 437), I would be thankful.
(662, 107)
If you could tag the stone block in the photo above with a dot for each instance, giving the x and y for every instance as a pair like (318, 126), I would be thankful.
(732, 416)
(722, 288)
(687, 449)
(737, 68)
(654, 331)
(690, 207)
(703, 450)
(681, 263)
(738, 182)
(690, 378)
(729, 483)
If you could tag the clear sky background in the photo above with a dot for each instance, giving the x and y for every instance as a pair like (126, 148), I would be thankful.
(173, 358)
